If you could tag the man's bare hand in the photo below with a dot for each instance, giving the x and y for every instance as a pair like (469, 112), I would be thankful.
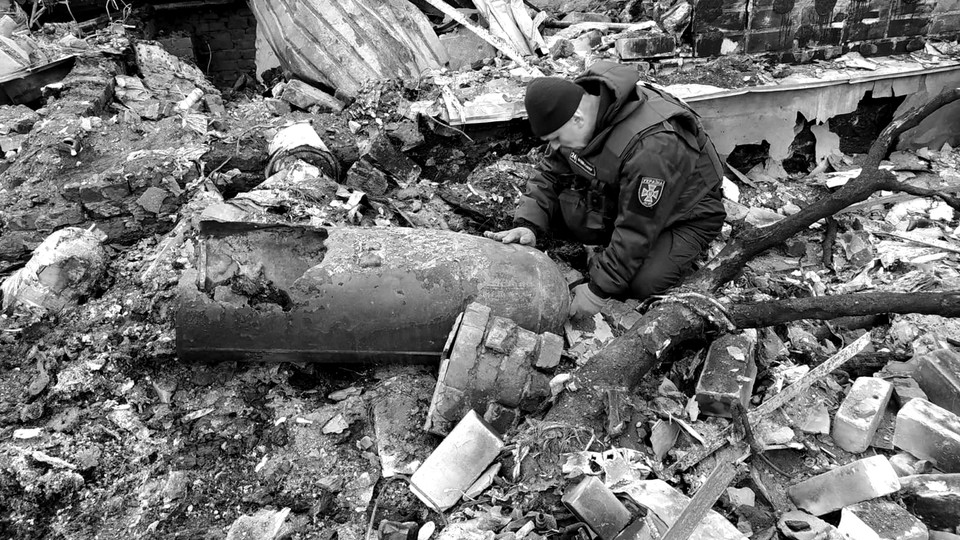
(517, 235)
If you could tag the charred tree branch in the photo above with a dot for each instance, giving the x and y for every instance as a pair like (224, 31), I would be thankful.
(756, 315)
(954, 202)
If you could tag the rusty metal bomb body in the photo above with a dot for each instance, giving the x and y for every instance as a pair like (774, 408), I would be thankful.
(344, 294)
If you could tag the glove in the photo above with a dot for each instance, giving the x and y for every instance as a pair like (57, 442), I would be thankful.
(585, 302)
(519, 235)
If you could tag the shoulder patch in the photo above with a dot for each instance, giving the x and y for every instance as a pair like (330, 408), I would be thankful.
(649, 191)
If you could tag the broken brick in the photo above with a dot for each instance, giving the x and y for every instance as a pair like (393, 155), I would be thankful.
(860, 414)
(594, 504)
(456, 463)
(551, 348)
(934, 498)
(880, 520)
(938, 374)
(930, 432)
(729, 373)
(646, 47)
(855, 482)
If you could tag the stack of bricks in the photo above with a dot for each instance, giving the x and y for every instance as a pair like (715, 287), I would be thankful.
(493, 367)
(224, 39)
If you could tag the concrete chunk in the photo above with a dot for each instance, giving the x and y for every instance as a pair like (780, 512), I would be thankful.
(860, 414)
(668, 503)
(934, 498)
(929, 432)
(501, 335)
(880, 520)
(852, 483)
(938, 374)
(728, 373)
(456, 463)
(594, 504)
(905, 389)
(907, 464)
(303, 96)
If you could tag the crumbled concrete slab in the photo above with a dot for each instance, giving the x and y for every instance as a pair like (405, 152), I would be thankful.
(855, 482)
(880, 520)
(930, 432)
(938, 374)
(934, 498)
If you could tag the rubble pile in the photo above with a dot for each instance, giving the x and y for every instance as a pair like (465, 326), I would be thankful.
(843, 428)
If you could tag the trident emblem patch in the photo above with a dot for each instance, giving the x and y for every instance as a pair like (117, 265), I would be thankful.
(650, 191)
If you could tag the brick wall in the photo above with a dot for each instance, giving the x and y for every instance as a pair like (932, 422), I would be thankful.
(224, 39)
(798, 30)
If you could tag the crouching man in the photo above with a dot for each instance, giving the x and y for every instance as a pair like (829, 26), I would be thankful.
(630, 168)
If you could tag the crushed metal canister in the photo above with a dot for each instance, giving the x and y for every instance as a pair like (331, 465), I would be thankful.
(345, 294)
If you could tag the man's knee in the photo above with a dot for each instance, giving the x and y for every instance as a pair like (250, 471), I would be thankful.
(654, 279)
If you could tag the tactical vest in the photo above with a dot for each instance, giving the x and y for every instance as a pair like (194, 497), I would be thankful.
(652, 117)
(589, 206)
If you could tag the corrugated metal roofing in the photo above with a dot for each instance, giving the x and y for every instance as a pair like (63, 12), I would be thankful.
(344, 43)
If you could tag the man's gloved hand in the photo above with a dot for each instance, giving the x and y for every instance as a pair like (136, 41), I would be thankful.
(518, 235)
(585, 302)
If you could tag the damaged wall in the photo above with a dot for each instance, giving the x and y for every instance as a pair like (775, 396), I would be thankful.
(804, 29)
(223, 39)
(756, 114)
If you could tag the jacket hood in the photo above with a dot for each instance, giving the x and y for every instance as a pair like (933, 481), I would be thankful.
(621, 80)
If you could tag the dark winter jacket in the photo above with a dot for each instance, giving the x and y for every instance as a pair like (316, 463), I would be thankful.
(649, 166)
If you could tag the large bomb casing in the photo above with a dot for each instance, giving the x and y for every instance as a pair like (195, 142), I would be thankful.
(344, 294)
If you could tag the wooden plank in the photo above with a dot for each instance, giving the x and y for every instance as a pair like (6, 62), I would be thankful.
(497, 42)
(704, 499)
(843, 355)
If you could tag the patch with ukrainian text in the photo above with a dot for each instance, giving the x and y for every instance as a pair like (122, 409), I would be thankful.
(649, 191)
(583, 164)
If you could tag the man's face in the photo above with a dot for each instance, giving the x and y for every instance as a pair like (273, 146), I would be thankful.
(574, 135)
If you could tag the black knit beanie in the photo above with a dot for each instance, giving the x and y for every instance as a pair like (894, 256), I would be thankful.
(550, 103)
